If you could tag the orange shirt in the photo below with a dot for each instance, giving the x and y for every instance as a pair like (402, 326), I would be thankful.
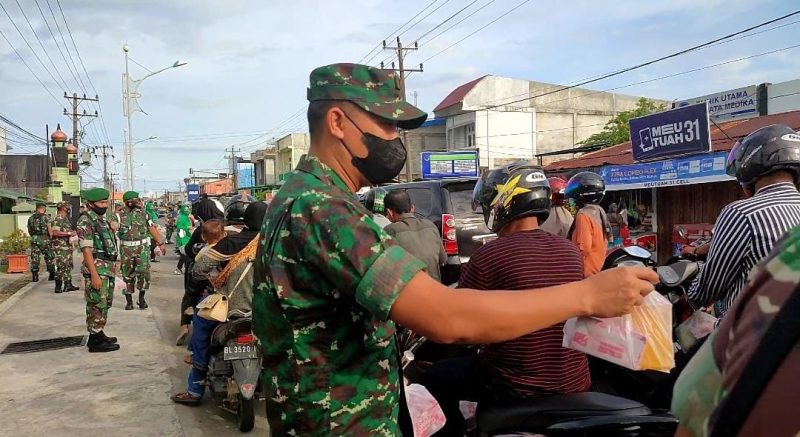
(591, 242)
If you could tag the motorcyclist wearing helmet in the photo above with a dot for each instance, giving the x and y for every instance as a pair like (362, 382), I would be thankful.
(373, 201)
(234, 211)
(560, 220)
(591, 230)
(767, 165)
(515, 199)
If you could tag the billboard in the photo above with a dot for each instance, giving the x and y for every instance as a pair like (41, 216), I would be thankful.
(783, 97)
(192, 192)
(245, 175)
(676, 132)
(439, 165)
(728, 105)
(678, 171)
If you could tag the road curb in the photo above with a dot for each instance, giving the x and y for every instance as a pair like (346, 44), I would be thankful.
(8, 303)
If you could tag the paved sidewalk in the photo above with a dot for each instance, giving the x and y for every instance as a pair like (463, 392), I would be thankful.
(71, 392)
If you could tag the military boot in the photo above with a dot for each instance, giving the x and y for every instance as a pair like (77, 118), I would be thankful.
(128, 301)
(142, 303)
(68, 286)
(34, 276)
(97, 343)
(58, 286)
(52, 275)
(107, 338)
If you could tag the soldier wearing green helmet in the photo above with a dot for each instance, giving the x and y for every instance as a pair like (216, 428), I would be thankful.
(99, 248)
(330, 283)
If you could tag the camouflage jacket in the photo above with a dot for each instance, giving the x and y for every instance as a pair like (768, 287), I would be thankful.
(326, 277)
(37, 225)
(134, 224)
(94, 231)
(716, 368)
(61, 224)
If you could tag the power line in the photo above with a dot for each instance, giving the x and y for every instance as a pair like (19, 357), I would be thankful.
(477, 30)
(55, 99)
(41, 44)
(446, 20)
(423, 43)
(66, 47)
(55, 41)
(378, 46)
(651, 62)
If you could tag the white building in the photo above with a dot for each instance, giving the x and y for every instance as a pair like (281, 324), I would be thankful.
(288, 150)
(264, 166)
(510, 119)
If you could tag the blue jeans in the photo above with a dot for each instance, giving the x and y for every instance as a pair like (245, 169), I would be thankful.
(200, 346)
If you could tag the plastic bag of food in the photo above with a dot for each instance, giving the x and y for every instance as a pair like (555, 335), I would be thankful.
(119, 285)
(697, 326)
(158, 251)
(641, 340)
(73, 240)
(426, 415)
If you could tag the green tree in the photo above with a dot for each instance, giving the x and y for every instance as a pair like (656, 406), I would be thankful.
(617, 130)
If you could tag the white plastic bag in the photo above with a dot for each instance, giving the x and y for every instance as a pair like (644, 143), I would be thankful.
(697, 326)
(119, 285)
(426, 415)
(73, 240)
(158, 251)
(641, 340)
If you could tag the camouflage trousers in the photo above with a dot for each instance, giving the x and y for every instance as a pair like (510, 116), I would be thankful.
(98, 302)
(170, 231)
(41, 246)
(135, 266)
(63, 261)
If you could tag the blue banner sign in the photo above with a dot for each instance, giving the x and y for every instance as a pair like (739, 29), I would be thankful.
(245, 175)
(192, 192)
(680, 131)
(687, 170)
(439, 165)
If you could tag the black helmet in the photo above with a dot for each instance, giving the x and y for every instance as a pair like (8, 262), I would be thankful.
(234, 210)
(512, 192)
(767, 150)
(373, 200)
(586, 188)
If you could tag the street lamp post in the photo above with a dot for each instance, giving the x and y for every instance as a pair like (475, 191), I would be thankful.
(131, 91)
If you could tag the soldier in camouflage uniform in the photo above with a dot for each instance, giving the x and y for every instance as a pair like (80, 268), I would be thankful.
(99, 249)
(329, 282)
(135, 232)
(39, 230)
(62, 230)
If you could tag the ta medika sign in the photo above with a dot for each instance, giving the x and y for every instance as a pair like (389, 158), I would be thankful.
(728, 105)
(439, 165)
(680, 131)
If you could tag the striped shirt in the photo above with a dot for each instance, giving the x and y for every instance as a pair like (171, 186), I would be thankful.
(744, 234)
(534, 364)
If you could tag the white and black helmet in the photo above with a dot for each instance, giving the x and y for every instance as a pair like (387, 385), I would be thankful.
(767, 150)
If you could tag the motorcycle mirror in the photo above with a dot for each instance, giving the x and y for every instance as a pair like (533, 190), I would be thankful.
(682, 233)
(408, 356)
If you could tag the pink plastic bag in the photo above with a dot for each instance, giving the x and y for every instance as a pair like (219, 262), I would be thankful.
(158, 251)
(73, 240)
(426, 415)
(119, 285)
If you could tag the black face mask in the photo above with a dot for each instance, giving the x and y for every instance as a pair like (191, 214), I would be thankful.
(384, 160)
(97, 210)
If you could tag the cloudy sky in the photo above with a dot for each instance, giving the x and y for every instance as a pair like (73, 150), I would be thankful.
(248, 61)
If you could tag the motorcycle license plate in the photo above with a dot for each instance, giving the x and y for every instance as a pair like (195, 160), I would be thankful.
(239, 352)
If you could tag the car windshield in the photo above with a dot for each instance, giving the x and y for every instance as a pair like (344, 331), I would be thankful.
(461, 199)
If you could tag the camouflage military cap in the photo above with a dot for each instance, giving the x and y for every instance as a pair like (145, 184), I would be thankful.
(96, 194)
(40, 204)
(130, 195)
(62, 205)
(372, 89)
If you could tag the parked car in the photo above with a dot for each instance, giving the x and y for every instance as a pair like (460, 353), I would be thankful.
(448, 204)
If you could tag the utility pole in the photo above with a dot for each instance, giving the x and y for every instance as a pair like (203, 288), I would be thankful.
(400, 73)
(105, 154)
(75, 115)
(111, 182)
(415, 94)
(232, 161)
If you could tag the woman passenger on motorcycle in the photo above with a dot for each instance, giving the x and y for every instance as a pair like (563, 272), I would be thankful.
(514, 199)
(227, 265)
(591, 231)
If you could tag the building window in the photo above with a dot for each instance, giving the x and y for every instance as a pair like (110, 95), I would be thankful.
(470, 136)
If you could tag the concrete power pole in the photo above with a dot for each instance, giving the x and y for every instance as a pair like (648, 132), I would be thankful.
(401, 79)
(76, 116)
(232, 170)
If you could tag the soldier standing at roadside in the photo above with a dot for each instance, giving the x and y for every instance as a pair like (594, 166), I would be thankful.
(39, 230)
(134, 227)
(61, 231)
(99, 249)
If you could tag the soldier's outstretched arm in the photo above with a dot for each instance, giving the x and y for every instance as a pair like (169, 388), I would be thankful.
(447, 315)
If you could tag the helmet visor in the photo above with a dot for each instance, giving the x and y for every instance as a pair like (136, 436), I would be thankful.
(730, 164)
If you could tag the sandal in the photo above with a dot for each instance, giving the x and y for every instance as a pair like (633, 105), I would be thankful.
(182, 338)
(186, 398)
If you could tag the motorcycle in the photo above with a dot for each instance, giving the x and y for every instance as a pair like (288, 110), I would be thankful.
(234, 368)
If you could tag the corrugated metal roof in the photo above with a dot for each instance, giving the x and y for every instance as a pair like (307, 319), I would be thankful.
(458, 94)
(621, 153)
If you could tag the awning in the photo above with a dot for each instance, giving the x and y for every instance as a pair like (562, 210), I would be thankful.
(695, 169)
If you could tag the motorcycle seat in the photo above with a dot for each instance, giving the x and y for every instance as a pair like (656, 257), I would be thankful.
(675, 274)
(538, 414)
(233, 326)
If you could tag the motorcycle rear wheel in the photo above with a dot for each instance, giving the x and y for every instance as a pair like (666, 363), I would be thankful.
(245, 414)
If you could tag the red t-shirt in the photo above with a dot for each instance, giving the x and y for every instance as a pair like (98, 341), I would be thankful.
(534, 364)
